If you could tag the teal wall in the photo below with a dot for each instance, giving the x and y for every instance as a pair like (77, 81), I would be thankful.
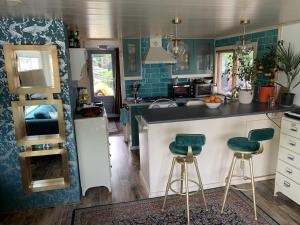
(265, 39)
(156, 77)
(12, 196)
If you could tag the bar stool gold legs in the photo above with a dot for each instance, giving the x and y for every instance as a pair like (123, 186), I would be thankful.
(230, 175)
(200, 182)
(169, 183)
(187, 192)
(245, 148)
(184, 178)
(228, 181)
(253, 187)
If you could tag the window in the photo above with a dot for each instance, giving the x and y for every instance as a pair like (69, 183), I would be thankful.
(225, 80)
(227, 66)
(102, 73)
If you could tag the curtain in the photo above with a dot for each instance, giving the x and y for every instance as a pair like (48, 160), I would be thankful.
(118, 95)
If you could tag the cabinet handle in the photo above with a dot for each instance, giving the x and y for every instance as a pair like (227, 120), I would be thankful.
(292, 143)
(288, 170)
(294, 128)
(287, 184)
(290, 157)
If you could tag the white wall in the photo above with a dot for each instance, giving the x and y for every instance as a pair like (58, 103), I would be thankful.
(291, 33)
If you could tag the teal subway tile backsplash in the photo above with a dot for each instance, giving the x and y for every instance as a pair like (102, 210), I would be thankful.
(264, 39)
(156, 78)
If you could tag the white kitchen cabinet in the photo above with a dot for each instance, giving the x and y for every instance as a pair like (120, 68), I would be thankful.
(288, 166)
(78, 59)
(93, 152)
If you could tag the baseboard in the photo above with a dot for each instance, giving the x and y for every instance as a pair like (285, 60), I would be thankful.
(235, 181)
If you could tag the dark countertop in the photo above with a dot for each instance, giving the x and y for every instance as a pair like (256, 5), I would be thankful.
(143, 102)
(186, 113)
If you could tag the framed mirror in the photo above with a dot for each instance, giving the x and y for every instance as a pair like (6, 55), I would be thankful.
(32, 69)
(38, 122)
(44, 170)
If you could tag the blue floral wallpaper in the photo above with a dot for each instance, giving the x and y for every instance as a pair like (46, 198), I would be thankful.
(38, 32)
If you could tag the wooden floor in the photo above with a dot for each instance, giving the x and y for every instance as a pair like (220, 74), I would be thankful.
(127, 186)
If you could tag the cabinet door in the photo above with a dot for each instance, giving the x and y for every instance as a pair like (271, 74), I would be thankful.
(203, 56)
(132, 57)
(134, 111)
(184, 63)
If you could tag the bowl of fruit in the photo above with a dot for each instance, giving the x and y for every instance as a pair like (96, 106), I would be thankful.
(212, 102)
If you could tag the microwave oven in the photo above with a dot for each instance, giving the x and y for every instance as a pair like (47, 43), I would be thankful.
(182, 91)
(202, 89)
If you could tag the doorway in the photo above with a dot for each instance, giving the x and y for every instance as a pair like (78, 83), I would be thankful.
(102, 66)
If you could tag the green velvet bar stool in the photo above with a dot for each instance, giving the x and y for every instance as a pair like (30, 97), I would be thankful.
(244, 149)
(185, 149)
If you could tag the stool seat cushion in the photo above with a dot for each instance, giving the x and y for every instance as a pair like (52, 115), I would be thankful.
(182, 150)
(242, 144)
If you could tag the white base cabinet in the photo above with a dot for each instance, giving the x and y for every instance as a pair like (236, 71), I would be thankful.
(93, 152)
(288, 166)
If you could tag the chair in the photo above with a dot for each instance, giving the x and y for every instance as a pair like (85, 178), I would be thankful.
(244, 149)
(185, 149)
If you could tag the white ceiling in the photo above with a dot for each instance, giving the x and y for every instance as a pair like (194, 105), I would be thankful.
(134, 18)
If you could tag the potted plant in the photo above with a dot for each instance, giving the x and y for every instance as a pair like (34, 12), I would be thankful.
(266, 69)
(243, 70)
(288, 62)
(246, 73)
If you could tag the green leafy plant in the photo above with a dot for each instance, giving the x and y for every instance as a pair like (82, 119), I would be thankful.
(246, 71)
(267, 66)
(242, 67)
(289, 64)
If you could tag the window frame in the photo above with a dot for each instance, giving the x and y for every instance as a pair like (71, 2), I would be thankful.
(90, 72)
(228, 48)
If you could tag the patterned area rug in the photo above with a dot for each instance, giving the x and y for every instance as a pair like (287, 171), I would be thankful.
(238, 211)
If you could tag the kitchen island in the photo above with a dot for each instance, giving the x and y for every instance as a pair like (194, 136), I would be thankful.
(158, 128)
(134, 109)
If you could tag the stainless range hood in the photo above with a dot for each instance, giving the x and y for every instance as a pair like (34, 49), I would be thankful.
(156, 54)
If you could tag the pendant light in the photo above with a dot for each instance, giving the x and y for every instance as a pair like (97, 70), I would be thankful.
(244, 47)
(176, 46)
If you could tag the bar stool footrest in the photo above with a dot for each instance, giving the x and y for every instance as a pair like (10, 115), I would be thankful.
(184, 193)
(236, 188)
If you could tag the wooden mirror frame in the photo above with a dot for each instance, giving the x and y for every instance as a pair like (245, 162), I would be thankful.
(19, 122)
(30, 185)
(14, 80)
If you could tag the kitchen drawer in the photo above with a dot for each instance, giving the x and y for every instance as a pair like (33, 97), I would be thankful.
(290, 127)
(289, 157)
(287, 187)
(290, 143)
(288, 171)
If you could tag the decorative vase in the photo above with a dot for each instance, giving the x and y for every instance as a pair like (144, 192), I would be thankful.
(287, 99)
(246, 96)
(265, 92)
